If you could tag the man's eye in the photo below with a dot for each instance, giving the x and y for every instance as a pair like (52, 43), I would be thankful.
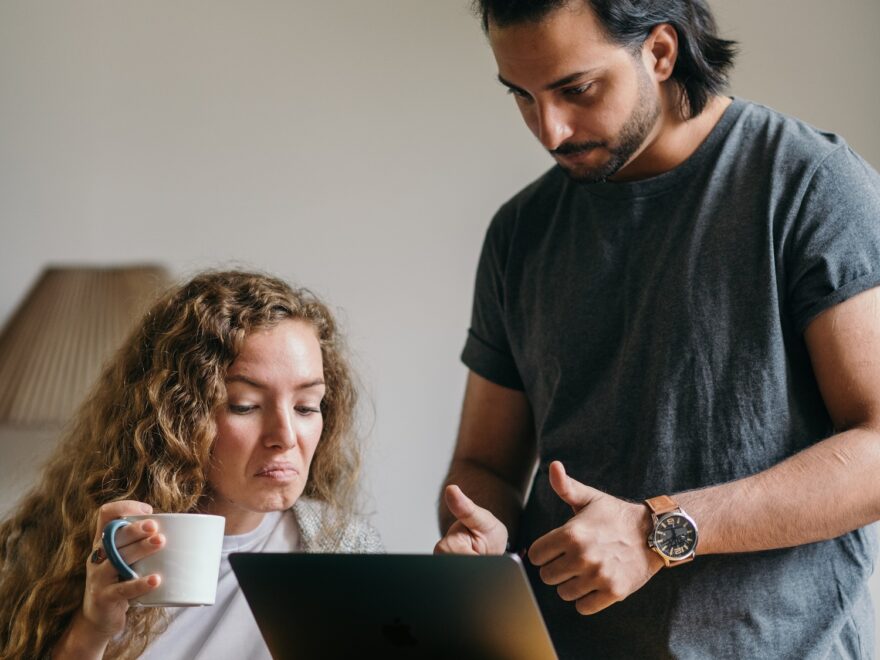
(240, 410)
(518, 93)
(580, 89)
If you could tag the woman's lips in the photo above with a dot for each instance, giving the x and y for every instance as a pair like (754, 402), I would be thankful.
(278, 472)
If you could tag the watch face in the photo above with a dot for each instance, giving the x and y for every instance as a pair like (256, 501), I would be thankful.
(675, 536)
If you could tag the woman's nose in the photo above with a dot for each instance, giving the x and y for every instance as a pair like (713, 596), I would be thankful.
(281, 431)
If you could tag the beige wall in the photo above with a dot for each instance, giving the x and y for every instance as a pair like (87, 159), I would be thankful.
(817, 60)
(359, 148)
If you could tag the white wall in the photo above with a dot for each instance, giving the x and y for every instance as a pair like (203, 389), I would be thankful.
(358, 148)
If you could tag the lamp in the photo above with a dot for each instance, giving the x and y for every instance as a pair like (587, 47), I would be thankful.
(51, 352)
(52, 349)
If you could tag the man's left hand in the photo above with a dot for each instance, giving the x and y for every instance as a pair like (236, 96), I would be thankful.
(600, 556)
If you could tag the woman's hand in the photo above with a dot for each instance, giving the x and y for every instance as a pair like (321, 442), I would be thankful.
(105, 600)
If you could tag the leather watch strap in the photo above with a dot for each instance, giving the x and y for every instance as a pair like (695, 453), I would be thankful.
(661, 504)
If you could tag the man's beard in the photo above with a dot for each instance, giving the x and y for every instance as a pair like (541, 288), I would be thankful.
(633, 134)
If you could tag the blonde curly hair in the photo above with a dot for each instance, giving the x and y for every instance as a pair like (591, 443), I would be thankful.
(145, 433)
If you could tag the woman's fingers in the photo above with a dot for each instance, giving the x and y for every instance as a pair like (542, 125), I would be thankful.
(106, 597)
(119, 509)
(104, 607)
(134, 588)
(143, 548)
(135, 541)
(103, 574)
(135, 533)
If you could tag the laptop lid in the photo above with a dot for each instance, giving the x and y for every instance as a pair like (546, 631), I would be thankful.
(395, 606)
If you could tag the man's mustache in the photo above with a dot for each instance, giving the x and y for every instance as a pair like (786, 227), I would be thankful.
(570, 148)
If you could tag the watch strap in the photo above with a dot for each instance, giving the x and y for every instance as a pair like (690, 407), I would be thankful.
(670, 563)
(661, 504)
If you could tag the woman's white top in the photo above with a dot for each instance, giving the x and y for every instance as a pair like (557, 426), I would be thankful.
(227, 629)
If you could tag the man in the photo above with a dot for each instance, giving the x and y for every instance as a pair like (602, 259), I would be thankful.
(683, 310)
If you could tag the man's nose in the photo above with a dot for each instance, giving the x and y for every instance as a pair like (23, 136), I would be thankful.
(554, 125)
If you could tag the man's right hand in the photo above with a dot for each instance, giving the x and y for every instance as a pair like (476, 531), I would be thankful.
(475, 530)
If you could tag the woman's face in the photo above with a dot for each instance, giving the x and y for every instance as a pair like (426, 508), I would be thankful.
(269, 427)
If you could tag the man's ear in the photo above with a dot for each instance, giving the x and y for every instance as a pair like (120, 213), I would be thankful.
(660, 51)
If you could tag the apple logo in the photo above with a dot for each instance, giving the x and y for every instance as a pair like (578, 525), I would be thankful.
(398, 633)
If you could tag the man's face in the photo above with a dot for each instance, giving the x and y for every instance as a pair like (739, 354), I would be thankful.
(591, 103)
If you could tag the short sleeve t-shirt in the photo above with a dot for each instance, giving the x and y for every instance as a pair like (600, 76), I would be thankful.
(656, 328)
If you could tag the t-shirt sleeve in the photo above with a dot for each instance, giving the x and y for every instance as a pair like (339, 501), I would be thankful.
(834, 252)
(487, 349)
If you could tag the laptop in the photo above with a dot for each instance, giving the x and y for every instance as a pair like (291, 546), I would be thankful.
(332, 606)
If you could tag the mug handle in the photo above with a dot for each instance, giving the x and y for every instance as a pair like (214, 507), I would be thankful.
(108, 540)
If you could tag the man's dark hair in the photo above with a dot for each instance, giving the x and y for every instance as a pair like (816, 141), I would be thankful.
(704, 59)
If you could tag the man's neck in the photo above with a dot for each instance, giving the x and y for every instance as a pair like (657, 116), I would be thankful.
(673, 140)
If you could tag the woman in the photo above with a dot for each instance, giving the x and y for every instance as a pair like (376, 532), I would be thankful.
(232, 397)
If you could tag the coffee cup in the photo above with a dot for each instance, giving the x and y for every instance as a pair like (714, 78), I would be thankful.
(189, 563)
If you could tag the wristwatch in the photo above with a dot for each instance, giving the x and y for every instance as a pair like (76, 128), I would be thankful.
(674, 536)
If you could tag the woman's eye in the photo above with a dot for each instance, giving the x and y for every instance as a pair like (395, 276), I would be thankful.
(307, 410)
(240, 409)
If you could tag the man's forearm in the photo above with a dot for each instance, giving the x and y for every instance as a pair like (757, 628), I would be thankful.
(822, 492)
(486, 489)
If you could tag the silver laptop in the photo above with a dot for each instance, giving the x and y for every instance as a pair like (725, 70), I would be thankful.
(393, 606)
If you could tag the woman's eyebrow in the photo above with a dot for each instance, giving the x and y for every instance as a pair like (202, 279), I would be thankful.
(240, 378)
(314, 383)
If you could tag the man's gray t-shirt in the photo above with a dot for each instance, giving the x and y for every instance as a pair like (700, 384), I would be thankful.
(656, 328)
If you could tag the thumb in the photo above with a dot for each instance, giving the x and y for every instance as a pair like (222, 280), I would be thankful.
(475, 518)
(572, 491)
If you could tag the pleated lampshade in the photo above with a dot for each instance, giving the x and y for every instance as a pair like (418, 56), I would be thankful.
(56, 342)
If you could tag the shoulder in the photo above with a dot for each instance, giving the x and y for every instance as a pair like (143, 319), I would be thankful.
(789, 144)
(791, 166)
(822, 170)
(544, 190)
(531, 204)
(325, 528)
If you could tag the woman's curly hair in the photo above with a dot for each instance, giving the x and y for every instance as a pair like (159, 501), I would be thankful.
(145, 433)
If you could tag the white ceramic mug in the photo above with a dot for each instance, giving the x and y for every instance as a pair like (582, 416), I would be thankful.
(189, 563)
